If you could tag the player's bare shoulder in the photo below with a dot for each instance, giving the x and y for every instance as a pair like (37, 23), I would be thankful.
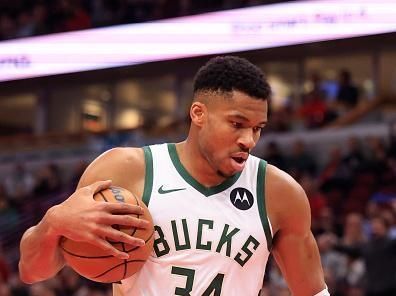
(124, 166)
(286, 201)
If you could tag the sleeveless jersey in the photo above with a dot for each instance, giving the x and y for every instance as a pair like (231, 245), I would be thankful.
(208, 241)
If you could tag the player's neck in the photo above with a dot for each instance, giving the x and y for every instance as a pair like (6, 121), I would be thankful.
(196, 165)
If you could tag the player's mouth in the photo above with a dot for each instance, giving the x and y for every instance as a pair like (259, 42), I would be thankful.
(238, 161)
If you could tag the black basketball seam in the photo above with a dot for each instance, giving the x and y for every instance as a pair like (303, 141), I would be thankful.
(123, 248)
(123, 245)
(125, 260)
(104, 198)
(103, 273)
(86, 257)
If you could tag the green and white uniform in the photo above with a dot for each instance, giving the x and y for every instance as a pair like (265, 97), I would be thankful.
(208, 241)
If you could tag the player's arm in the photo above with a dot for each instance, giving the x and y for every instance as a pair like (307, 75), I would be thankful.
(81, 218)
(294, 249)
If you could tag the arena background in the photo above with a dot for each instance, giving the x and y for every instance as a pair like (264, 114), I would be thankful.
(332, 118)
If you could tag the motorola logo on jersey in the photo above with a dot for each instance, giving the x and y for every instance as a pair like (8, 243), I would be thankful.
(241, 198)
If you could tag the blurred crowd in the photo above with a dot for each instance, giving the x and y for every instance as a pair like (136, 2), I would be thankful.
(352, 198)
(24, 18)
(353, 206)
(322, 102)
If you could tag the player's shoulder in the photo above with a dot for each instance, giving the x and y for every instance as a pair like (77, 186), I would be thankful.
(118, 164)
(286, 200)
(280, 181)
(122, 156)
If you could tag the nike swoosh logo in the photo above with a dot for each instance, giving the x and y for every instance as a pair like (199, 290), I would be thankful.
(161, 190)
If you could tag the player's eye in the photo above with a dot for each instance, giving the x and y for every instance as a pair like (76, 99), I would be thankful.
(236, 124)
(257, 129)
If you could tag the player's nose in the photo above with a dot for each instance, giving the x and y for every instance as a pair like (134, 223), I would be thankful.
(247, 140)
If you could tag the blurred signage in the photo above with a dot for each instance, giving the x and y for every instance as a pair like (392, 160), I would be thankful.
(212, 33)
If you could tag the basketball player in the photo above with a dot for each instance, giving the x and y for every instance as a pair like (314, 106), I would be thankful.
(218, 211)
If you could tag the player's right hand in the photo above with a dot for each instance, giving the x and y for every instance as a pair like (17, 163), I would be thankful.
(81, 218)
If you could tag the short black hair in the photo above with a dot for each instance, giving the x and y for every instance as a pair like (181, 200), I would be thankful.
(228, 73)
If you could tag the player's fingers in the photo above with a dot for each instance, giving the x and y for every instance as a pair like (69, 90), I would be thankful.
(108, 248)
(99, 186)
(122, 208)
(124, 220)
(119, 236)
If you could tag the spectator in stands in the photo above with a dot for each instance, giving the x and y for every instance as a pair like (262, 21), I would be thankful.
(334, 263)
(372, 210)
(280, 119)
(380, 258)
(316, 199)
(353, 157)
(300, 162)
(379, 255)
(376, 154)
(48, 181)
(353, 234)
(334, 168)
(40, 19)
(348, 93)
(355, 276)
(278, 284)
(353, 237)
(334, 179)
(327, 222)
(8, 27)
(19, 184)
(389, 215)
(139, 11)
(26, 24)
(274, 156)
(313, 110)
(386, 191)
(9, 217)
(105, 13)
(71, 16)
(79, 19)
(71, 282)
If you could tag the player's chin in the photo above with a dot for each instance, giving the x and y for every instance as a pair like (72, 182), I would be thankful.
(231, 168)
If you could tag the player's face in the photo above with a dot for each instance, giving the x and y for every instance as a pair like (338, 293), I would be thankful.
(231, 129)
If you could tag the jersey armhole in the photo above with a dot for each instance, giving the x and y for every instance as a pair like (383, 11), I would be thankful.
(261, 203)
(148, 178)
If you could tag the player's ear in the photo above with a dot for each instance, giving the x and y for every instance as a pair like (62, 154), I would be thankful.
(198, 113)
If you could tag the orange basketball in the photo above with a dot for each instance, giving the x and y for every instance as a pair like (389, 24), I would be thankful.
(94, 263)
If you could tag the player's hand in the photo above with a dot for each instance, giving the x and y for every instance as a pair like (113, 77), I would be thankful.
(81, 218)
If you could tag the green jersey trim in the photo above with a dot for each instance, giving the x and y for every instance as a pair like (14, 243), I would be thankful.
(261, 202)
(207, 191)
(148, 179)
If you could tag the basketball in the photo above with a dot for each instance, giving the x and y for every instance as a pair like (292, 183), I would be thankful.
(94, 263)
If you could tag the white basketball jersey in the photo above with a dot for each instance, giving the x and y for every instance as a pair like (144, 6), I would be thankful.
(208, 241)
